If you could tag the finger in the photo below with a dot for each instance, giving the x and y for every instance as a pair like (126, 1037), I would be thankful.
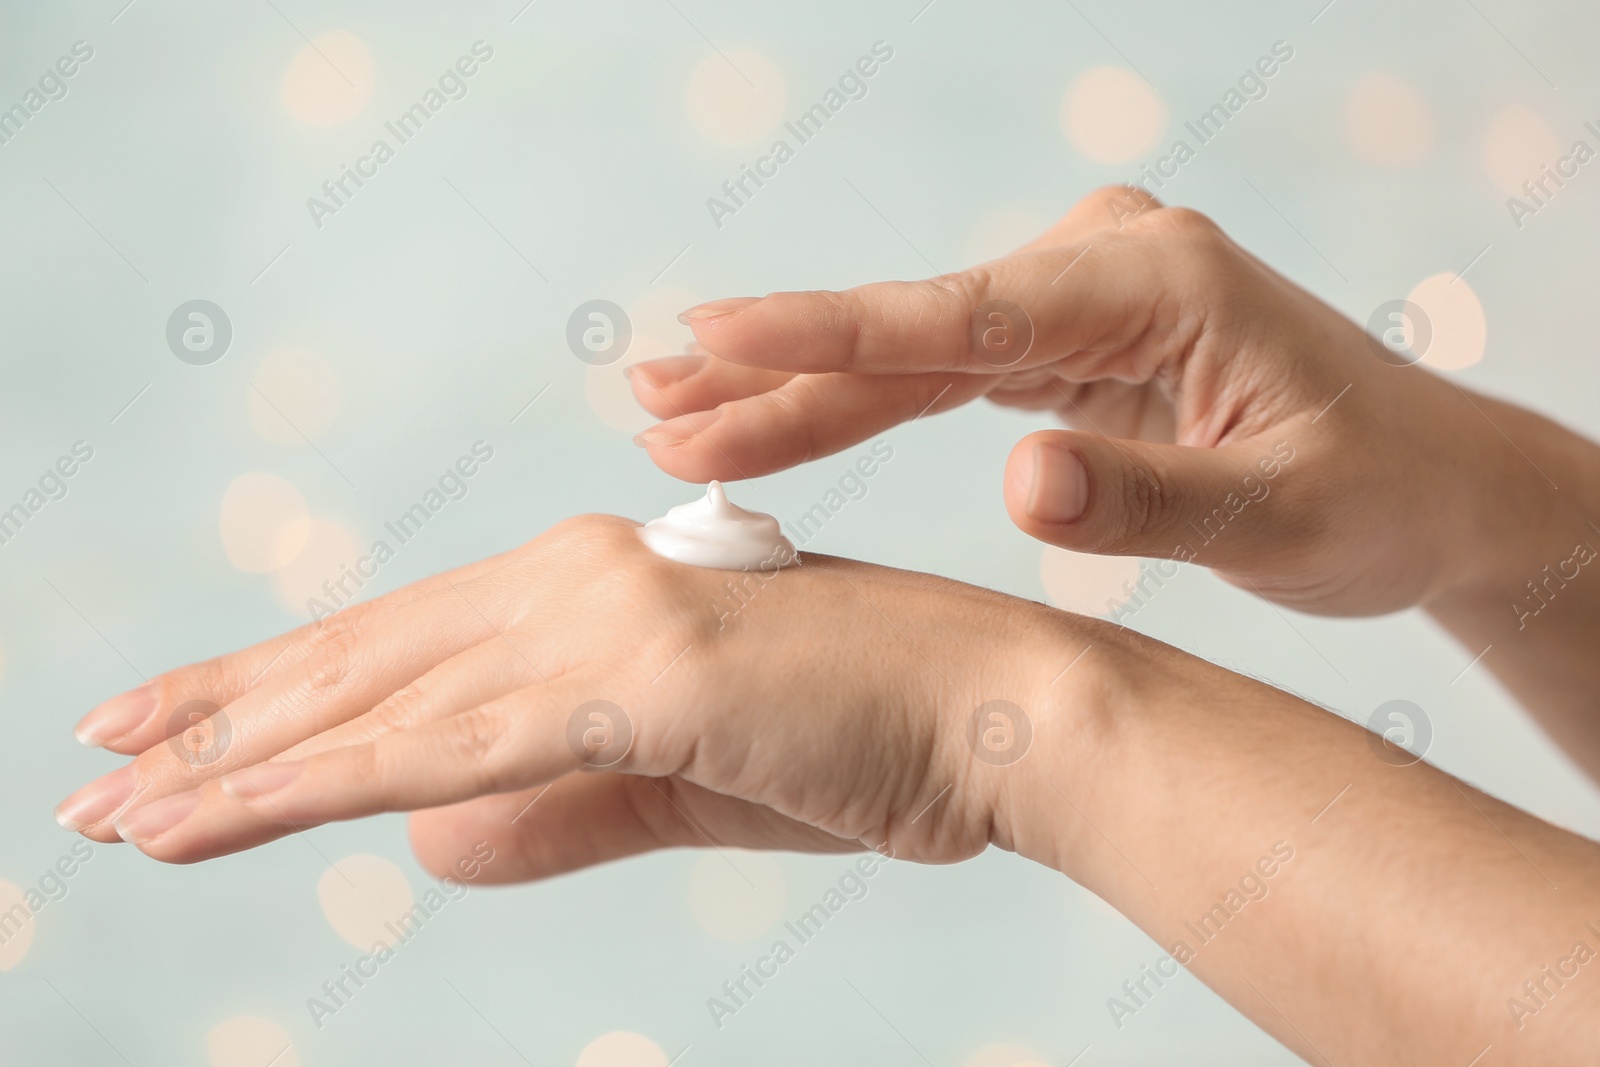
(515, 742)
(678, 385)
(1091, 493)
(586, 819)
(352, 662)
(128, 722)
(156, 711)
(812, 415)
(471, 677)
(1108, 313)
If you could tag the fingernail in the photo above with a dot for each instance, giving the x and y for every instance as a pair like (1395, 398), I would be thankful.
(1060, 485)
(157, 817)
(675, 432)
(95, 801)
(263, 778)
(660, 373)
(715, 308)
(117, 717)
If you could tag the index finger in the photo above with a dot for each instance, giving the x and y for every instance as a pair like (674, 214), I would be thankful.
(1097, 301)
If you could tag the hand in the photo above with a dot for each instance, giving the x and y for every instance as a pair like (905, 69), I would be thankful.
(1223, 414)
(824, 714)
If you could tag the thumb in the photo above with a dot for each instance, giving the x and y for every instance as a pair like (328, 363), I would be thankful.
(1091, 493)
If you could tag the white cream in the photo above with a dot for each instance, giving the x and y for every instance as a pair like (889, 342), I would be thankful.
(711, 532)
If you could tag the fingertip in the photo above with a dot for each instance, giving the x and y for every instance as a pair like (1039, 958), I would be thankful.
(716, 309)
(1046, 484)
(116, 718)
(802, 332)
(668, 370)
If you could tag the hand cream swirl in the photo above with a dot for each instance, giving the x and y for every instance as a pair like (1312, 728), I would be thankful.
(713, 532)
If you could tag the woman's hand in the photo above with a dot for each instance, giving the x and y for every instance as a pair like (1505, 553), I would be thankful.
(838, 706)
(822, 707)
(1222, 414)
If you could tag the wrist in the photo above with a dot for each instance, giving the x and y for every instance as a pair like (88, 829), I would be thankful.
(1512, 523)
(1090, 679)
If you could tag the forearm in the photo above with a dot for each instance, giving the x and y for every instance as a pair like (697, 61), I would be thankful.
(1530, 603)
(1359, 911)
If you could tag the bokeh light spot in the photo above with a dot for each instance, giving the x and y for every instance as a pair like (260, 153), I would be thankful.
(1086, 583)
(622, 1048)
(365, 899)
(736, 97)
(1003, 1054)
(736, 895)
(1387, 121)
(250, 1041)
(609, 393)
(264, 522)
(999, 233)
(329, 80)
(294, 392)
(332, 555)
(1516, 144)
(16, 926)
(1460, 332)
(1111, 115)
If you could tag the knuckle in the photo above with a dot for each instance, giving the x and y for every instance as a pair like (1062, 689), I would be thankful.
(1185, 222)
(794, 409)
(584, 534)
(953, 304)
(829, 326)
(1192, 235)
(198, 681)
(1144, 505)
(481, 740)
(404, 707)
(331, 656)
(1122, 203)
(1196, 246)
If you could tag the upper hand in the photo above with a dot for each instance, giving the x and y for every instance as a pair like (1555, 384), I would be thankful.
(1199, 382)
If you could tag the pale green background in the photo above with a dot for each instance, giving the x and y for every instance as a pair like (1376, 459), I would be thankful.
(574, 140)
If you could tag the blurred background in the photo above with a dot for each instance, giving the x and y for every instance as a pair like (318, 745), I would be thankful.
(351, 344)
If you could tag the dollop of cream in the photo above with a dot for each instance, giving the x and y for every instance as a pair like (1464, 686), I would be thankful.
(713, 532)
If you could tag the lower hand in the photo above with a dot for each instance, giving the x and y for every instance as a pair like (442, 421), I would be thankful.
(825, 714)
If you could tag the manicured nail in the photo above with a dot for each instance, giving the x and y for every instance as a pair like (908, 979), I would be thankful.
(675, 432)
(1060, 485)
(117, 717)
(157, 817)
(715, 308)
(660, 373)
(263, 778)
(97, 800)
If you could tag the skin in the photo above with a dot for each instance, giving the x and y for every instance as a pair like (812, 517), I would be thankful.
(835, 710)
(1182, 361)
